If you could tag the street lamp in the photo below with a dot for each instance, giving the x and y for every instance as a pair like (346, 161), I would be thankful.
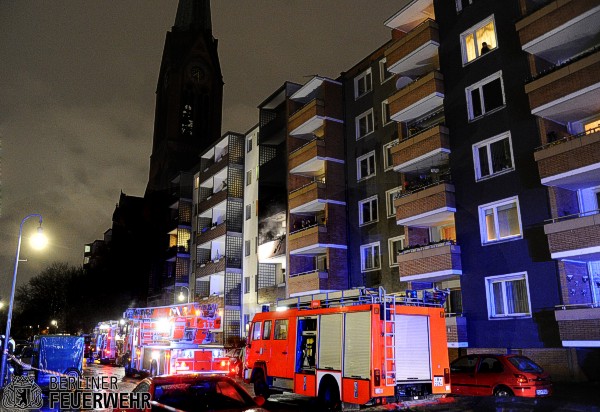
(55, 324)
(183, 297)
(38, 241)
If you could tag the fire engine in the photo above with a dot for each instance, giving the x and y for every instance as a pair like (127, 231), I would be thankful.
(172, 339)
(360, 346)
(107, 341)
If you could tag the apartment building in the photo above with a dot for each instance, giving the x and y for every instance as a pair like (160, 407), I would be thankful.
(273, 195)
(562, 42)
(316, 213)
(250, 262)
(217, 241)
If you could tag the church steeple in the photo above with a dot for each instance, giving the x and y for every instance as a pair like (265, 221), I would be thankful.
(193, 15)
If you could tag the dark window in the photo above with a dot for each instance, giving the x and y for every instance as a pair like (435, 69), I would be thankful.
(492, 95)
(267, 330)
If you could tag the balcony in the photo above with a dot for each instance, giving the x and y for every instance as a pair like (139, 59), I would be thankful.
(578, 325)
(432, 263)
(429, 206)
(270, 294)
(560, 29)
(313, 240)
(568, 92)
(575, 237)
(212, 201)
(308, 118)
(214, 168)
(572, 162)
(428, 148)
(411, 15)
(417, 98)
(210, 268)
(309, 158)
(307, 281)
(211, 233)
(415, 53)
(456, 331)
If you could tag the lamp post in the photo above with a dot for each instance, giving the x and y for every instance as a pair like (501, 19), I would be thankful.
(38, 241)
(55, 324)
(181, 297)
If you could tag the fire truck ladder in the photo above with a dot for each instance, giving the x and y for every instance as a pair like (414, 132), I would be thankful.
(388, 303)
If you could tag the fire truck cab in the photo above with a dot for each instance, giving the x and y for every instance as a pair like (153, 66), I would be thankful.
(107, 341)
(360, 346)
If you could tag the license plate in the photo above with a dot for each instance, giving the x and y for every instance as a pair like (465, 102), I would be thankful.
(438, 381)
(541, 392)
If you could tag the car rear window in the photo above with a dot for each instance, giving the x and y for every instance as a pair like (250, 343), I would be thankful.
(525, 364)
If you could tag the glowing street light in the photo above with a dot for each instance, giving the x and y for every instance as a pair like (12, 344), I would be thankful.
(55, 324)
(37, 241)
(183, 297)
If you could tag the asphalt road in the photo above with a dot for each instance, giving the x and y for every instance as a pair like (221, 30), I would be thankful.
(567, 398)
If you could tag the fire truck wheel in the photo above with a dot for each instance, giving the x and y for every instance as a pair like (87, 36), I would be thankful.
(329, 394)
(260, 384)
(153, 368)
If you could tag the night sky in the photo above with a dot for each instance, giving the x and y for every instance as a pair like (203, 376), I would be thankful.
(77, 83)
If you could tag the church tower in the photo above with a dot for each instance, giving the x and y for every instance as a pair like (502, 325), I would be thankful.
(189, 95)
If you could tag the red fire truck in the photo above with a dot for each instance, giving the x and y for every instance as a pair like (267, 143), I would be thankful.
(172, 339)
(107, 341)
(360, 346)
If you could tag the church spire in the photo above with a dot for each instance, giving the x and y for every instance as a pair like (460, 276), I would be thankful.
(193, 15)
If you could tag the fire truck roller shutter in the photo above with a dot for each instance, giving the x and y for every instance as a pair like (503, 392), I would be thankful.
(330, 342)
(413, 359)
(357, 345)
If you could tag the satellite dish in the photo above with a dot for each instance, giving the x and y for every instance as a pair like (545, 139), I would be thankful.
(402, 82)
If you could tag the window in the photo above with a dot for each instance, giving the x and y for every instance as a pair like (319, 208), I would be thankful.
(267, 330)
(281, 329)
(493, 156)
(196, 182)
(256, 330)
(369, 257)
(592, 126)
(364, 124)
(500, 221)
(367, 210)
(385, 112)
(248, 211)
(461, 4)
(388, 159)
(248, 177)
(249, 144)
(247, 284)
(390, 195)
(478, 40)
(589, 200)
(395, 245)
(365, 166)
(384, 73)
(363, 84)
(485, 96)
(247, 248)
(508, 295)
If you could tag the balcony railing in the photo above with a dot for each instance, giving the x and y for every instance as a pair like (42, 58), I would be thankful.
(426, 183)
(316, 179)
(572, 216)
(315, 138)
(556, 67)
(568, 138)
(322, 273)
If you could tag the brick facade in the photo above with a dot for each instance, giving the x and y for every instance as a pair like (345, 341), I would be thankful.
(427, 200)
(425, 86)
(426, 142)
(401, 48)
(570, 155)
(430, 260)
(574, 234)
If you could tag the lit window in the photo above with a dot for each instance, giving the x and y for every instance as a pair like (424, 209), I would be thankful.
(197, 182)
(500, 221)
(478, 40)
(369, 257)
(364, 124)
(485, 96)
(384, 73)
(248, 177)
(365, 166)
(363, 83)
(390, 195)
(385, 112)
(388, 159)
(395, 245)
(367, 210)
(493, 156)
(592, 126)
(508, 295)
(249, 144)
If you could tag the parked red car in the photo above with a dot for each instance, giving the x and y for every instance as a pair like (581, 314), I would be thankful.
(499, 375)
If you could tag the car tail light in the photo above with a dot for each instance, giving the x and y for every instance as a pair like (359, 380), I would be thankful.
(521, 378)
(446, 375)
(377, 374)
